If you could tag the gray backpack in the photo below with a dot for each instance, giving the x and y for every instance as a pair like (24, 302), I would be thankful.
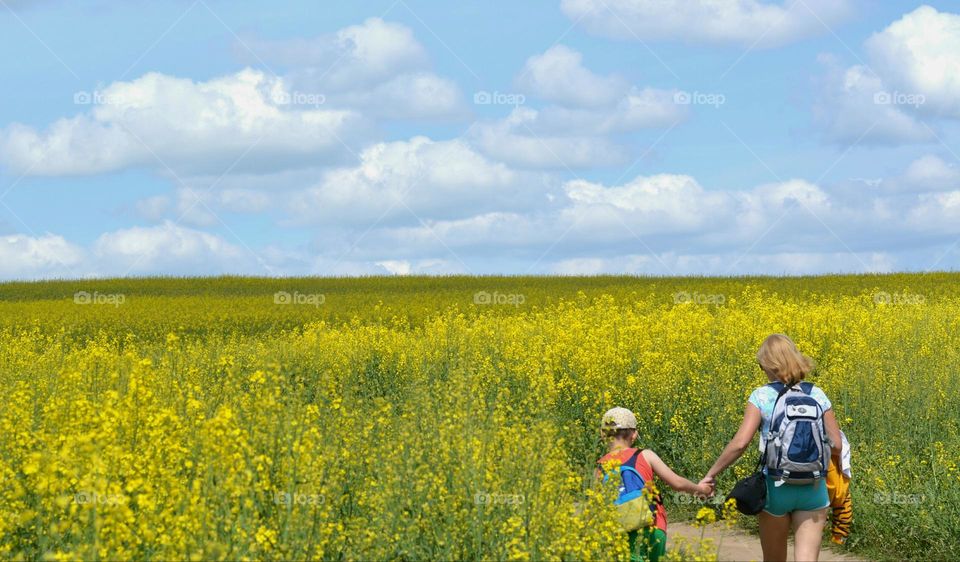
(797, 450)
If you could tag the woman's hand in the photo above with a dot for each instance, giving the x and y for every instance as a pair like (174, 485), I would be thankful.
(707, 487)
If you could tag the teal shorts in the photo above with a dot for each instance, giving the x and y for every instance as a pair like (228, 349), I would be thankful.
(788, 498)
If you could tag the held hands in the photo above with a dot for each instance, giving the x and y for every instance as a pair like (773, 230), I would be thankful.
(706, 488)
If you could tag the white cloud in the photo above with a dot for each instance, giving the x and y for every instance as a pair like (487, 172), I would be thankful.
(33, 257)
(593, 220)
(661, 203)
(558, 75)
(587, 110)
(319, 113)
(377, 67)
(407, 179)
(158, 121)
(669, 223)
(515, 140)
(650, 224)
(912, 81)
(353, 57)
(927, 173)
(744, 22)
(853, 107)
(937, 212)
(638, 109)
(920, 54)
(169, 248)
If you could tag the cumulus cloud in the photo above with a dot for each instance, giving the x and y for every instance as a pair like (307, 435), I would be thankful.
(172, 249)
(662, 203)
(192, 127)
(937, 213)
(376, 67)
(558, 75)
(743, 22)
(651, 224)
(856, 106)
(911, 83)
(356, 56)
(516, 141)
(928, 173)
(36, 257)
(404, 180)
(670, 223)
(321, 111)
(576, 130)
(920, 54)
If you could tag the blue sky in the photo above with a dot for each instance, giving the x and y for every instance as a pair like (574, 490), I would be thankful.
(564, 136)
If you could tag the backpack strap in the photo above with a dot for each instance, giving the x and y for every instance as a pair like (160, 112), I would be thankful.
(658, 499)
(806, 387)
(631, 463)
(781, 390)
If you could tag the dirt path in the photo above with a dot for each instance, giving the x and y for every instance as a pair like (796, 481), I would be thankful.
(737, 545)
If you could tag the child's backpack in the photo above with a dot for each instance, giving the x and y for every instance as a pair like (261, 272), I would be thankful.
(796, 449)
(634, 507)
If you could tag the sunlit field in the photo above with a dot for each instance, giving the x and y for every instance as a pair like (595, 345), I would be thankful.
(442, 418)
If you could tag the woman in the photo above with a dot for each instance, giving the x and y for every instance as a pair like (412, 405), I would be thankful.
(802, 507)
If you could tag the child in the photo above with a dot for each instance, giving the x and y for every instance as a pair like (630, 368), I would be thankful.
(619, 430)
(838, 486)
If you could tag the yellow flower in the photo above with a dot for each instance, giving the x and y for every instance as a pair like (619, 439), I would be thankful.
(706, 516)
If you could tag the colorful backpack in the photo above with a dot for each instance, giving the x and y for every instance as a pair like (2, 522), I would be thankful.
(634, 507)
(797, 449)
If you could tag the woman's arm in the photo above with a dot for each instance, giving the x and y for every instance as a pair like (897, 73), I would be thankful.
(672, 479)
(735, 448)
(833, 432)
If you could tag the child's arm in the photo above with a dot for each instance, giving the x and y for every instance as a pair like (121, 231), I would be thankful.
(672, 479)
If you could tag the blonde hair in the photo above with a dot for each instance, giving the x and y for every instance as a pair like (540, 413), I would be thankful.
(780, 358)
